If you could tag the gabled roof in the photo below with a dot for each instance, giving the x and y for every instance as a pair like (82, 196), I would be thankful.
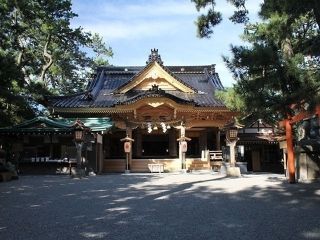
(115, 85)
(154, 67)
(259, 124)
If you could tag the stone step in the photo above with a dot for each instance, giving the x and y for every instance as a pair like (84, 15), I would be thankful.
(199, 168)
(199, 165)
(201, 171)
(199, 161)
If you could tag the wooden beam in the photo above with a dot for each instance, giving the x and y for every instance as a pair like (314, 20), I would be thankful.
(300, 116)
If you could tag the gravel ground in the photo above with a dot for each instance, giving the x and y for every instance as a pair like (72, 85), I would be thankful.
(159, 206)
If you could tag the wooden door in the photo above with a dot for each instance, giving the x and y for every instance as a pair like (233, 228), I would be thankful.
(256, 166)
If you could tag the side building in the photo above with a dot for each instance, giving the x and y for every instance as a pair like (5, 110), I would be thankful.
(259, 148)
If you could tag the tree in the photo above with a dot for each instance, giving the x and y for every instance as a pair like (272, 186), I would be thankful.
(278, 73)
(293, 8)
(12, 105)
(284, 50)
(206, 22)
(231, 99)
(49, 55)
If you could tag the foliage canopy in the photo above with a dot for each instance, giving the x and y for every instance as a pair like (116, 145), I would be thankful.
(277, 72)
(42, 55)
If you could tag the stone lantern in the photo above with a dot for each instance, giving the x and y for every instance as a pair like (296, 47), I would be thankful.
(231, 141)
(79, 134)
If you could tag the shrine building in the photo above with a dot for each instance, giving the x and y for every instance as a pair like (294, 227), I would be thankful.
(154, 104)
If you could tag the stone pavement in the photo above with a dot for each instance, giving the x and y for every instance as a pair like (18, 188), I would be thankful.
(159, 206)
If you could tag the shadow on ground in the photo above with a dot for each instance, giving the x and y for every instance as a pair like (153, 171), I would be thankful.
(159, 207)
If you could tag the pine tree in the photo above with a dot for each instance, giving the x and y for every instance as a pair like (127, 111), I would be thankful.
(278, 73)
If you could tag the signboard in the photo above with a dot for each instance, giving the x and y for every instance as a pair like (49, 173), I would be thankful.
(99, 138)
(127, 147)
(283, 144)
(184, 146)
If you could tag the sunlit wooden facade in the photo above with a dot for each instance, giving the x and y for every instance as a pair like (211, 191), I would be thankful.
(154, 104)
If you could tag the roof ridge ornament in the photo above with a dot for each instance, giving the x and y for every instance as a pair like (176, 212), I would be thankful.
(213, 69)
(155, 88)
(154, 57)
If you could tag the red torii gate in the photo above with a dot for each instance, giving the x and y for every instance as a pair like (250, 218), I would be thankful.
(287, 124)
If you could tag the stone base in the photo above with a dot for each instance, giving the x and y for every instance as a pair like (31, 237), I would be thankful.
(78, 173)
(126, 171)
(183, 170)
(243, 167)
(233, 172)
(5, 176)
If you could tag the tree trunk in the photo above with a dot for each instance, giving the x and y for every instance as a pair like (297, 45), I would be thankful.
(286, 48)
(48, 61)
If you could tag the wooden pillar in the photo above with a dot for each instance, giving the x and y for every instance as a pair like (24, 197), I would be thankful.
(172, 143)
(291, 165)
(181, 154)
(51, 150)
(138, 143)
(106, 147)
(203, 144)
(218, 144)
(99, 153)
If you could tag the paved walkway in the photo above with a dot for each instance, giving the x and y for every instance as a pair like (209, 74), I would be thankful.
(159, 206)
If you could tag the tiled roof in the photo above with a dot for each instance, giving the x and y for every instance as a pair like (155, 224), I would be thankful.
(101, 91)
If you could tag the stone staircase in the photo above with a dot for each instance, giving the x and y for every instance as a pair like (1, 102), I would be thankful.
(198, 165)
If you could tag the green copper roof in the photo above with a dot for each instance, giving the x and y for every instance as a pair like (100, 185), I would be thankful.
(95, 124)
(44, 125)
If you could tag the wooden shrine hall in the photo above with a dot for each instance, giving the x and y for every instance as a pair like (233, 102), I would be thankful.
(154, 105)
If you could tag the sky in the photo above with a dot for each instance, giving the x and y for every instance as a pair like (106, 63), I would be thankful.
(133, 27)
